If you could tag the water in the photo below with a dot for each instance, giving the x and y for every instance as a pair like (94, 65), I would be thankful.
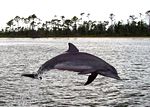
(130, 56)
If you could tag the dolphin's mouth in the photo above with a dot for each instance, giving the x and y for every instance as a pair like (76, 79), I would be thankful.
(117, 77)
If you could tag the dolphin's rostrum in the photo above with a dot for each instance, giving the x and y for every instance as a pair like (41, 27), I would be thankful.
(81, 62)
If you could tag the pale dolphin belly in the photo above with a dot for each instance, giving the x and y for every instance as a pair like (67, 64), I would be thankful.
(71, 66)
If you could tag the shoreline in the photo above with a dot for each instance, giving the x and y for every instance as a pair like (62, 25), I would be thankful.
(75, 36)
(79, 37)
(19, 38)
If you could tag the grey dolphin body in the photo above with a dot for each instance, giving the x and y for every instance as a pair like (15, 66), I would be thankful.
(81, 62)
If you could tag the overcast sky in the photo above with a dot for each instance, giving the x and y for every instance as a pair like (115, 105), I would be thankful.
(46, 9)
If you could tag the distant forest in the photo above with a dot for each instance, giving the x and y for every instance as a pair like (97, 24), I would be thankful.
(34, 27)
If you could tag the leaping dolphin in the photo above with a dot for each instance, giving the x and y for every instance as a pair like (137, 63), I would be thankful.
(81, 62)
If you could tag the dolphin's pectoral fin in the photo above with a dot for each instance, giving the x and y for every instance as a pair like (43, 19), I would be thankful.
(91, 78)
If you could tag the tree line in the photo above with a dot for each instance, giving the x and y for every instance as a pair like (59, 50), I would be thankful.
(32, 26)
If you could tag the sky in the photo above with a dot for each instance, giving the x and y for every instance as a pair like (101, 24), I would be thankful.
(46, 9)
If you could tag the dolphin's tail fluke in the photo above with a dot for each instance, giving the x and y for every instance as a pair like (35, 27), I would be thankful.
(34, 76)
(91, 78)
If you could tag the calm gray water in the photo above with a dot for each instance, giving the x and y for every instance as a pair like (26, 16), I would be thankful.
(130, 56)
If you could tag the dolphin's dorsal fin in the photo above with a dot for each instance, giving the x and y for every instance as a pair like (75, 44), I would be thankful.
(72, 48)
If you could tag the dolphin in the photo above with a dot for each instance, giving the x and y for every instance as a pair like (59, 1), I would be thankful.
(81, 62)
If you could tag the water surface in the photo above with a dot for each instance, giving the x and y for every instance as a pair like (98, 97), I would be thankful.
(130, 56)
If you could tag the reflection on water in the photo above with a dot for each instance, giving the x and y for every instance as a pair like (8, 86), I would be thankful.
(130, 56)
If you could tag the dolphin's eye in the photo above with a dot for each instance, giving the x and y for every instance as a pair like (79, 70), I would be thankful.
(108, 69)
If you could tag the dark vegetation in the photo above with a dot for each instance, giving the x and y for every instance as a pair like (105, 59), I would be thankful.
(34, 27)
